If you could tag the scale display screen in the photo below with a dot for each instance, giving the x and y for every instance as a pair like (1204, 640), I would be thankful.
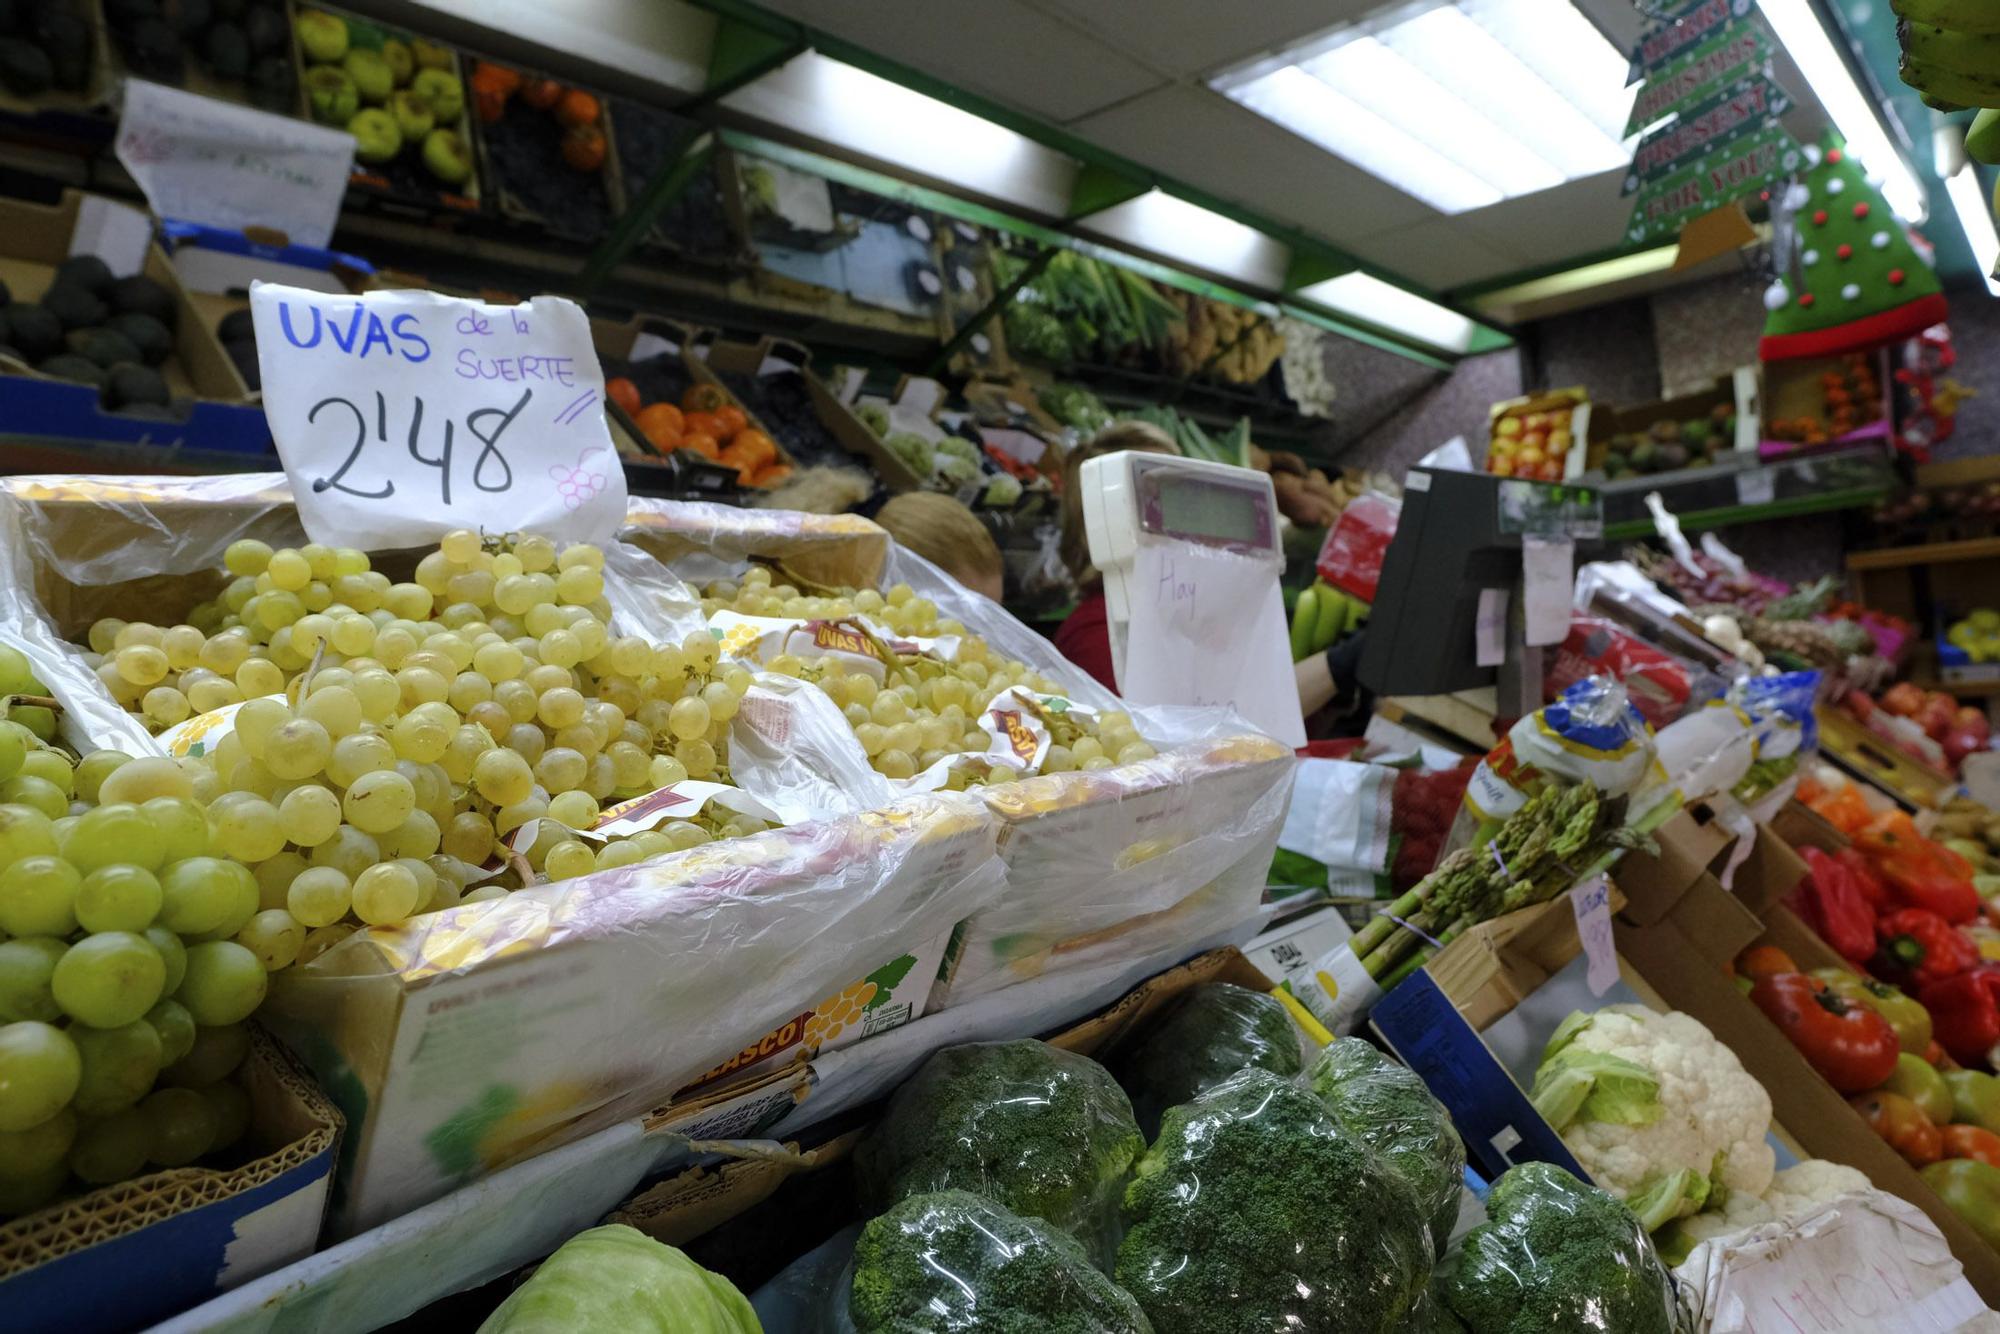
(1201, 509)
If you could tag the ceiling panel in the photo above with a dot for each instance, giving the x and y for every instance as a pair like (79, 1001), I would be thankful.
(1002, 49)
(1580, 218)
(1188, 38)
(1439, 254)
(1204, 139)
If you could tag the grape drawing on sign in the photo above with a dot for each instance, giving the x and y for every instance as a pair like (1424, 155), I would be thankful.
(579, 485)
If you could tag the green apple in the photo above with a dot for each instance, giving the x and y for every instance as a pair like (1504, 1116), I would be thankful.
(429, 55)
(448, 156)
(402, 61)
(443, 91)
(322, 35)
(413, 115)
(370, 74)
(377, 137)
(333, 96)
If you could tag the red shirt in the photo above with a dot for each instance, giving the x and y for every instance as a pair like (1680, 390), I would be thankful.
(1085, 639)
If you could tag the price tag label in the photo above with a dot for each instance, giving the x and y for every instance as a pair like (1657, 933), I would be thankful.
(1591, 902)
(1548, 579)
(1756, 487)
(400, 416)
(1489, 628)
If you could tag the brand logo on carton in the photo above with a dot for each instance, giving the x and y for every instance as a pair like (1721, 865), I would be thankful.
(827, 635)
(1020, 737)
(660, 799)
(782, 1038)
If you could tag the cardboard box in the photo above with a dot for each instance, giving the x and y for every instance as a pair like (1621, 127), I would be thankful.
(81, 111)
(124, 1256)
(210, 411)
(1736, 391)
(1689, 844)
(1289, 950)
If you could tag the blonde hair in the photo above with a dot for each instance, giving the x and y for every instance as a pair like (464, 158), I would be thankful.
(946, 534)
(1139, 437)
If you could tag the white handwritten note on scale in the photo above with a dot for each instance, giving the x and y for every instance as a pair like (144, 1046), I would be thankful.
(400, 416)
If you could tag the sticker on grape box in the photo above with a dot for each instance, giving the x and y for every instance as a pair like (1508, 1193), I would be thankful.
(400, 416)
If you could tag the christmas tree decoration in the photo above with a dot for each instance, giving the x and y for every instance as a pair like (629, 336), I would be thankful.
(1850, 278)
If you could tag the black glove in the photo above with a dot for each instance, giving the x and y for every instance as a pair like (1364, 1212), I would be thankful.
(1343, 664)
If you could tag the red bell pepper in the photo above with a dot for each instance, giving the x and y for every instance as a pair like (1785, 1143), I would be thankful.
(1834, 907)
(1919, 947)
(1919, 873)
(1965, 1014)
(1866, 880)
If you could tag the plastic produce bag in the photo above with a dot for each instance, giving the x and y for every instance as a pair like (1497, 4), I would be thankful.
(1351, 558)
(1210, 1033)
(1556, 1254)
(953, 1261)
(1045, 1132)
(1589, 734)
(1255, 1210)
(1388, 1106)
(1659, 685)
(1780, 709)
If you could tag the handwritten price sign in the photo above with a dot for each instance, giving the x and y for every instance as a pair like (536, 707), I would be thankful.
(400, 416)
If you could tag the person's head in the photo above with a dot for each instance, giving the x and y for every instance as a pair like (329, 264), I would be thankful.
(949, 536)
(1139, 437)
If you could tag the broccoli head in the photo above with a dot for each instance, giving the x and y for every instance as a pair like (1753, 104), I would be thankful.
(1042, 1131)
(953, 1261)
(1212, 1033)
(1555, 1253)
(1255, 1211)
(1387, 1105)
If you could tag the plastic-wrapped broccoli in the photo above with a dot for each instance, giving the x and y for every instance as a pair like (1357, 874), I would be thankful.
(874, 416)
(1256, 1211)
(954, 470)
(1388, 1106)
(1044, 1132)
(1214, 1031)
(1003, 490)
(952, 1261)
(912, 449)
(1554, 1254)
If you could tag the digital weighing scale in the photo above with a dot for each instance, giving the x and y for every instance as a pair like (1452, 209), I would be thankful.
(1191, 555)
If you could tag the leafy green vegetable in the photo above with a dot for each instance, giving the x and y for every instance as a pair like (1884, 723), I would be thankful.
(618, 1278)
(952, 1261)
(1556, 1254)
(1595, 1086)
(1214, 1031)
(1390, 1109)
(1076, 407)
(1256, 1211)
(1041, 1131)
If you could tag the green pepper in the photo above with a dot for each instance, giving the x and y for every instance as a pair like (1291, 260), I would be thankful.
(1911, 1020)
(1975, 1098)
(1972, 1191)
(1919, 1081)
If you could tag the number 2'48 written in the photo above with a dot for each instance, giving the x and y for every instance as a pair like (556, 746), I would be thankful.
(372, 474)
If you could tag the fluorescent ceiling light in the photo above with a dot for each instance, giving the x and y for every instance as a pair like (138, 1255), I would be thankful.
(1975, 213)
(1192, 235)
(1850, 108)
(1462, 103)
(1389, 307)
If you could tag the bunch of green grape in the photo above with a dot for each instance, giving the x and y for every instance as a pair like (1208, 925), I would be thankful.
(926, 707)
(130, 955)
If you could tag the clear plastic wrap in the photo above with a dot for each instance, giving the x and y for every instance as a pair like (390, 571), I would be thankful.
(1590, 733)
(952, 1262)
(1781, 710)
(1393, 1112)
(1255, 1210)
(1207, 1035)
(1351, 558)
(1556, 1254)
(464, 1039)
(1042, 1131)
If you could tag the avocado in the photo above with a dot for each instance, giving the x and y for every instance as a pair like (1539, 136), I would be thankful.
(129, 385)
(75, 306)
(124, 14)
(25, 69)
(267, 31)
(153, 339)
(104, 347)
(192, 17)
(89, 272)
(154, 52)
(66, 39)
(141, 294)
(1645, 456)
(227, 51)
(1615, 465)
(69, 366)
(7, 18)
(35, 330)
(230, 11)
(244, 354)
(1673, 455)
(274, 85)
(237, 326)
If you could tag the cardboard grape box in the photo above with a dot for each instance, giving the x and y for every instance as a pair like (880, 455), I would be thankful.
(775, 356)
(124, 1256)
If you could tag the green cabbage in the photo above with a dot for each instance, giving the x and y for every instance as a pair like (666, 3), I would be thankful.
(618, 1278)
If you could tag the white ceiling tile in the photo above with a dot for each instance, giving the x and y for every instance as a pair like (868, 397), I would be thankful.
(1202, 138)
(1194, 37)
(1581, 218)
(1438, 254)
(1000, 49)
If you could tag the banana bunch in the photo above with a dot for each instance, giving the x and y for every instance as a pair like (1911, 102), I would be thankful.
(1951, 54)
(1322, 615)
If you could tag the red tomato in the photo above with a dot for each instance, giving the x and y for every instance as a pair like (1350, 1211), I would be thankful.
(1852, 1046)
(1902, 1125)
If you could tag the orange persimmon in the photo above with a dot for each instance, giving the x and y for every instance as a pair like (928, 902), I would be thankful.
(757, 446)
(584, 148)
(772, 475)
(702, 443)
(705, 422)
(704, 397)
(541, 94)
(625, 394)
(576, 107)
(660, 416)
(730, 419)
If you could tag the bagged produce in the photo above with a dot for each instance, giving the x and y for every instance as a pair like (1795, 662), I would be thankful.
(616, 1277)
(1556, 1254)
(1389, 1108)
(1211, 1032)
(1044, 1132)
(1256, 1210)
(1590, 734)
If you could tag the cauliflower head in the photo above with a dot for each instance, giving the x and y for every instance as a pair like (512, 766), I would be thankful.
(1640, 1096)
(1793, 1192)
